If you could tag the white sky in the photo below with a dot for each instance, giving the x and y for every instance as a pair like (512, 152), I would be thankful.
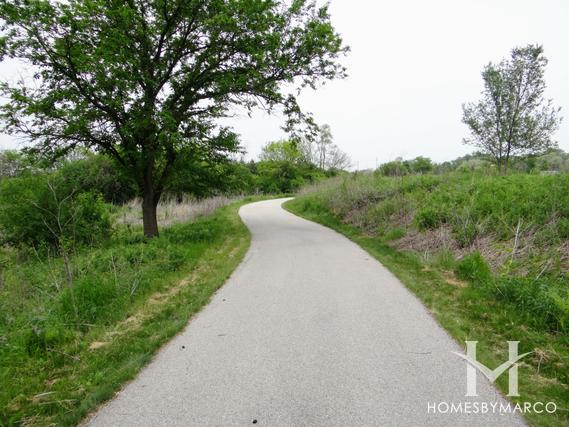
(412, 64)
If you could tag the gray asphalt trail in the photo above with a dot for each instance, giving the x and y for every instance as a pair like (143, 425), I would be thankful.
(310, 330)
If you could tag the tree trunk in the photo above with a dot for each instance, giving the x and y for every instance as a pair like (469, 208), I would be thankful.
(149, 218)
(507, 160)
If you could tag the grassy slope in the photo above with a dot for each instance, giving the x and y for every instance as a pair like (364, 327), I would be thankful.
(468, 314)
(55, 373)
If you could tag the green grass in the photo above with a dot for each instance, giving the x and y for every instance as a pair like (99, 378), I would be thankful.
(463, 295)
(62, 353)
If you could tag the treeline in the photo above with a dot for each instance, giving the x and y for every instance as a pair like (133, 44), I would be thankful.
(86, 171)
(552, 161)
(45, 202)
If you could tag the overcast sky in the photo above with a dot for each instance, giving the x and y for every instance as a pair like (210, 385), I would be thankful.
(411, 66)
(413, 63)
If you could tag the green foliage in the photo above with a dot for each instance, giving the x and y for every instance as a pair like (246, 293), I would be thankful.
(207, 230)
(465, 233)
(43, 209)
(283, 151)
(445, 260)
(98, 173)
(474, 269)
(93, 299)
(394, 233)
(284, 176)
(554, 160)
(47, 325)
(43, 337)
(421, 165)
(399, 167)
(15, 163)
(562, 225)
(544, 300)
(429, 217)
(513, 118)
(394, 168)
(146, 82)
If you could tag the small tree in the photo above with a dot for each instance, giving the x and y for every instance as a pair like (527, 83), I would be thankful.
(147, 80)
(513, 118)
(323, 143)
(337, 159)
(322, 152)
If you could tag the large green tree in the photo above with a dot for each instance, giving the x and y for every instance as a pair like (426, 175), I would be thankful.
(513, 117)
(148, 80)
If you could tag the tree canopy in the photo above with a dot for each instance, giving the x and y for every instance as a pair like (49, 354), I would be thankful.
(283, 151)
(513, 117)
(147, 81)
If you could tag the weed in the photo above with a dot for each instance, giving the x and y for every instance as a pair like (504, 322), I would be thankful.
(474, 269)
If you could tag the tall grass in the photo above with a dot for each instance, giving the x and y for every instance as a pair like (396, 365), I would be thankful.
(172, 210)
(520, 223)
(64, 346)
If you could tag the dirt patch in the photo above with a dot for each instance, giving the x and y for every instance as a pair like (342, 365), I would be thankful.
(97, 344)
(452, 280)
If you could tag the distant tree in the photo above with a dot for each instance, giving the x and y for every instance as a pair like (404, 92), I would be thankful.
(420, 165)
(283, 151)
(513, 118)
(309, 150)
(147, 81)
(396, 167)
(476, 165)
(12, 163)
(323, 143)
(322, 152)
(337, 159)
(553, 160)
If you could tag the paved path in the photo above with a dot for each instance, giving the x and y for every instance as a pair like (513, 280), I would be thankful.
(309, 331)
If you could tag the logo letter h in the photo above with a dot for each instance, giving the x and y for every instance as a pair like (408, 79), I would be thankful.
(473, 365)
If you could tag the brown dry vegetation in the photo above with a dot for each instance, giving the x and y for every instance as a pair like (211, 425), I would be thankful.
(409, 212)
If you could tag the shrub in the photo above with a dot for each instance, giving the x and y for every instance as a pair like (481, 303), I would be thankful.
(464, 234)
(474, 269)
(284, 176)
(429, 218)
(420, 165)
(394, 168)
(40, 210)
(100, 174)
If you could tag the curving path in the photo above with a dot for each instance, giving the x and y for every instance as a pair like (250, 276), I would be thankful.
(309, 331)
